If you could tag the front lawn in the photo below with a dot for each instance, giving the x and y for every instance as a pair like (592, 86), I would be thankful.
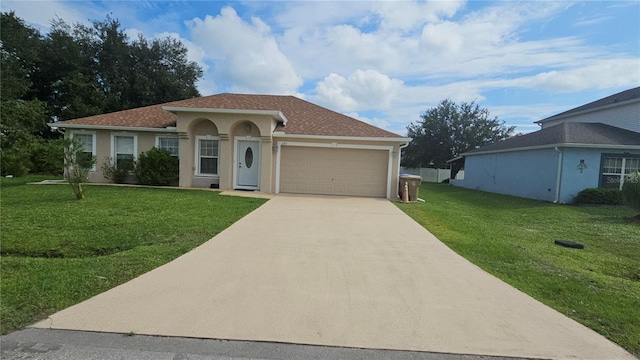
(513, 239)
(57, 251)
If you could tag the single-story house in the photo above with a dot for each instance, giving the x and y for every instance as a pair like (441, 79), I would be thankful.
(268, 143)
(594, 145)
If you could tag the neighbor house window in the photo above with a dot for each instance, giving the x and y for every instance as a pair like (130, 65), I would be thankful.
(169, 143)
(88, 141)
(615, 168)
(207, 155)
(124, 150)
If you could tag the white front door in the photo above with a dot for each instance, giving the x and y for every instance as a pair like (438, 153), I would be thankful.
(248, 164)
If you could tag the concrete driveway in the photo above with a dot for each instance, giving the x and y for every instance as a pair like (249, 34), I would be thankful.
(353, 272)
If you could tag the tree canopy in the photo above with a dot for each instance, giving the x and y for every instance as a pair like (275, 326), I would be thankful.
(450, 129)
(78, 70)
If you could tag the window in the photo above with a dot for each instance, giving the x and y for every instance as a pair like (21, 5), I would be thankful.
(169, 143)
(207, 155)
(614, 169)
(89, 145)
(124, 150)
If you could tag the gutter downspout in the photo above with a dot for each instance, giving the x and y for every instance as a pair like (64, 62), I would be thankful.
(559, 178)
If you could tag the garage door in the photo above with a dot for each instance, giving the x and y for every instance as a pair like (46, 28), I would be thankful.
(333, 171)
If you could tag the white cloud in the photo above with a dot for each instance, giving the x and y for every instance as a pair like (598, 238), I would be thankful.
(341, 49)
(40, 14)
(314, 14)
(600, 74)
(406, 15)
(245, 55)
(363, 89)
(420, 41)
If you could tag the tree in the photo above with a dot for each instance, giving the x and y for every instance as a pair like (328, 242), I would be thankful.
(66, 80)
(162, 72)
(20, 52)
(448, 130)
(75, 71)
(77, 166)
(22, 113)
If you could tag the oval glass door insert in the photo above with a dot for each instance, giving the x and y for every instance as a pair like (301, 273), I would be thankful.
(248, 158)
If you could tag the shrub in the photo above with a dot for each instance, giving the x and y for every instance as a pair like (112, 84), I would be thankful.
(157, 167)
(13, 162)
(599, 196)
(46, 156)
(117, 174)
(631, 190)
(34, 155)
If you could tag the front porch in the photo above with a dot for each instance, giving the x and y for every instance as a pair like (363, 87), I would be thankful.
(226, 150)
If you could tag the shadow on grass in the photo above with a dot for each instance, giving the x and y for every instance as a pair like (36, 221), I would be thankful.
(476, 198)
(63, 253)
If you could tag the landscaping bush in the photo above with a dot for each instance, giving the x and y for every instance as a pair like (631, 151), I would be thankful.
(117, 174)
(157, 167)
(631, 190)
(46, 157)
(33, 155)
(598, 196)
(13, 162)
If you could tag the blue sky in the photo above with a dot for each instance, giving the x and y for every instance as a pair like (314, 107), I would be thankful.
(386, 62)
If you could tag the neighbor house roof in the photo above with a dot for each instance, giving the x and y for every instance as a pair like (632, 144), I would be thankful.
(566, 134)
(303, 117)
(624, 96)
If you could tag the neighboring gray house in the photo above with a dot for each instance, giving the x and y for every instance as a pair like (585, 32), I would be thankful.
(593, 145)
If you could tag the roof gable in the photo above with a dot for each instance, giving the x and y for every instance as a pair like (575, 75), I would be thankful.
(303, 117)
(624, 96)
(596, 134)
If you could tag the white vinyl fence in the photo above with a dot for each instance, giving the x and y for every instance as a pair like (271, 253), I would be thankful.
(428, 174)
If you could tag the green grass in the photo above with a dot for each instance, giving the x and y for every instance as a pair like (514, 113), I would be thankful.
(513, 239)
(57, 251)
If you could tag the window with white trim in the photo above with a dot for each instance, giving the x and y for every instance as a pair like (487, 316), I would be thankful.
(124, 150)
(169, 143)
(615, 168)
(88, 141)
(207, 151)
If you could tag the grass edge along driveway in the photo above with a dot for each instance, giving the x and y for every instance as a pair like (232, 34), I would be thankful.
(56, 251)
(513, 239)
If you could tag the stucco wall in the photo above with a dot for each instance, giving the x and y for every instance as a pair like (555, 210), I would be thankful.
(573, 180)
(531, 174)
(227, 128)
(145, 141)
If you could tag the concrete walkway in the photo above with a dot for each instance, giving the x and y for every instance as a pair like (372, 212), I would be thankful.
(353, 272)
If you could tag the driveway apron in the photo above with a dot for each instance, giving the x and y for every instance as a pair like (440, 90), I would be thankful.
(338, 271)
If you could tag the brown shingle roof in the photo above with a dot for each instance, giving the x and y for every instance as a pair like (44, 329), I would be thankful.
(303, 117)
(566, 134)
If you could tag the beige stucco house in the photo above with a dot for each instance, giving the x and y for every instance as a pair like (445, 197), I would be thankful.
(268, 143)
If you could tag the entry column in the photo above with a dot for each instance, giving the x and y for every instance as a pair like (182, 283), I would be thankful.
(225, 162)
(186, 160)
